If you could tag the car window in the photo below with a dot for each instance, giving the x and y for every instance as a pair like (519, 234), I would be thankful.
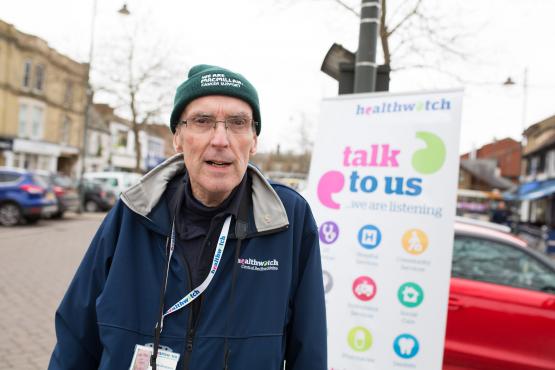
(63, 181)
(9, 177)
(40, 180)
(494, 262)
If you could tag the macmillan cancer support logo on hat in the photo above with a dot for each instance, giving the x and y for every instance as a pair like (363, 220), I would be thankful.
(219, 79)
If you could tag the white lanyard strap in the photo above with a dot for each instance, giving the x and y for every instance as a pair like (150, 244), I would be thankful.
(202, 287)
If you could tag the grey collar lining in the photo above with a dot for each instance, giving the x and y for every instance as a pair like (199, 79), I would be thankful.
(269, 212)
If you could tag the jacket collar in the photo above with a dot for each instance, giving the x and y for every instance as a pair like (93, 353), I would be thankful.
(268, 210)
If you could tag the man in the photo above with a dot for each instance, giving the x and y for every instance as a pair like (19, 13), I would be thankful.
(204, 263)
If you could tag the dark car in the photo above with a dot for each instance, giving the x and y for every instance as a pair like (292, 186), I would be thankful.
(65, 190)
(98, 196)
(24, 196)
(501, 303)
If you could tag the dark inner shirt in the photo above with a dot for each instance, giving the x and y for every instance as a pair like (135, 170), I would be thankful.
(198, 228)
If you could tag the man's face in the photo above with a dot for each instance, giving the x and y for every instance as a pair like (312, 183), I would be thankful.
(216, 160)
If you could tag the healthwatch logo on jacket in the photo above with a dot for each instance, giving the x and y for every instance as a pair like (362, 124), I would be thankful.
(425, 161)
(256, 265)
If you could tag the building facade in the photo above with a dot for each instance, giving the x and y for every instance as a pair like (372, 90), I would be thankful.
(537, 189)
(42, 104)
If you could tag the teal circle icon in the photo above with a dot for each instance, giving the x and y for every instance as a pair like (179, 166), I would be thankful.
(410, 295)
(406, 346)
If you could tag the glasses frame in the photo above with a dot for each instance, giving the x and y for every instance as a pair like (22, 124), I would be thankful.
(253, 126)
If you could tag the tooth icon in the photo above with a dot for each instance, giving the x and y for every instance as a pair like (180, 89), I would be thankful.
(406, 346)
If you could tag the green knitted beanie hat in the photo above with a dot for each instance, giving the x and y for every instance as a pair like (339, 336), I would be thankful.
(206, 80)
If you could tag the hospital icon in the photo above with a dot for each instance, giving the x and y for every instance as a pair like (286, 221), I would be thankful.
(328, 232)
(369, 236)
(410, 295)
(415, 241)
(406, 346)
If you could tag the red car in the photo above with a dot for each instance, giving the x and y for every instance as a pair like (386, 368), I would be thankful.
(501, 303)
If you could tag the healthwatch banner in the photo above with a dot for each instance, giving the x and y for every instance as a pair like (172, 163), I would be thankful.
(383, 186)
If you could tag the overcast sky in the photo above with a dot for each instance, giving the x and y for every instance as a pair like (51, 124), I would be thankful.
(280, 44)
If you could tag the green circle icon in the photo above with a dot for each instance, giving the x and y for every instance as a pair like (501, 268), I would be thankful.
(430, 159)
(410, 295)
(359, 339)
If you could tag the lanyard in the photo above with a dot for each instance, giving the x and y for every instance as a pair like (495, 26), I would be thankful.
(202, 287)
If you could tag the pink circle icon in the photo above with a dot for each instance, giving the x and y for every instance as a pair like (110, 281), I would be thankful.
(364, 288)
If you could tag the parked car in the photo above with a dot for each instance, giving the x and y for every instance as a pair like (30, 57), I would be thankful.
(24, 196)
(98, 196)
(65, 189)
(117, 181)
(501, 312)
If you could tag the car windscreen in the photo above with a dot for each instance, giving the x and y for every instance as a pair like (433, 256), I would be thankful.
(41, 180)
(63, 181)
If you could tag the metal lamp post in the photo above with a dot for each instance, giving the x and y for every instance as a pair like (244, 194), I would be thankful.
(88, 106)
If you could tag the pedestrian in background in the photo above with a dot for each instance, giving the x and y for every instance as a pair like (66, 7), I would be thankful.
(204, 263)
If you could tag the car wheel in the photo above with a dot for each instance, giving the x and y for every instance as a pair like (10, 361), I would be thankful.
(10, 214)
(91, 206)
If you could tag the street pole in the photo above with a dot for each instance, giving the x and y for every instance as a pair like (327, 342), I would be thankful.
(524, 98)
(89, 94)
(365, 62)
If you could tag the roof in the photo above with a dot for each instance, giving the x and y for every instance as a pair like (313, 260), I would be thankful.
(485, 170)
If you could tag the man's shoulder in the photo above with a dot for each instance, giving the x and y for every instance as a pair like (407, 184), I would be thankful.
(286, 192)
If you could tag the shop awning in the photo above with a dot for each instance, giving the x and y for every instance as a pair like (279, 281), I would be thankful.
(532, 190)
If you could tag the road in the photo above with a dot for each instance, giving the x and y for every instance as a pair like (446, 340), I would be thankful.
(36, 265)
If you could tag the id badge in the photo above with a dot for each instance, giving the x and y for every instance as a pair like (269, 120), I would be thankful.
(166, 360)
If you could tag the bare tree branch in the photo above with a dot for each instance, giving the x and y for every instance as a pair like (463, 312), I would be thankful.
(352, 10)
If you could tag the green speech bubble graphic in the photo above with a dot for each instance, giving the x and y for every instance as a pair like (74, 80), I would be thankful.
(431, 158)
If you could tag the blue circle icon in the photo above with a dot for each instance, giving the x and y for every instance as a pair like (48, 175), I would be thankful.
(406, 346)
(369, 236)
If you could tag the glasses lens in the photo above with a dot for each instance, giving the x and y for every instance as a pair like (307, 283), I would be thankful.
(202, 123)
(238, 125)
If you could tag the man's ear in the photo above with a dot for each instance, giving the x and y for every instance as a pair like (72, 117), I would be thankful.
(177, 141)
(254, 145)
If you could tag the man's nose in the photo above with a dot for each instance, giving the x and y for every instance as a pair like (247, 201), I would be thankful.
(220, 135)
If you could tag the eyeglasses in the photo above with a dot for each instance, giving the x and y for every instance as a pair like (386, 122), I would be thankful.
(237, 125)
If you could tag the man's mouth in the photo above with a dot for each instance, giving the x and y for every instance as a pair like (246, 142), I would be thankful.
(218, 163)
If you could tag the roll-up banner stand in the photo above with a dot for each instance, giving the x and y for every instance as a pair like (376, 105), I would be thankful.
(382, 186)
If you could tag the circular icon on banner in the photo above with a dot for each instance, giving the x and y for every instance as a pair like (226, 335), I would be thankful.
(360, 339)
(364, 288)
(369, 236)
(329, 232)
(415, 241)
(328, 281)
(410, 295)
(406, 346)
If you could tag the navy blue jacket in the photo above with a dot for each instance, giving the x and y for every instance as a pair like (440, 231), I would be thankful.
(276, 315)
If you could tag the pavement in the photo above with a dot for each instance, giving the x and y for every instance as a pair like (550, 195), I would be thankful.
(37, 263)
